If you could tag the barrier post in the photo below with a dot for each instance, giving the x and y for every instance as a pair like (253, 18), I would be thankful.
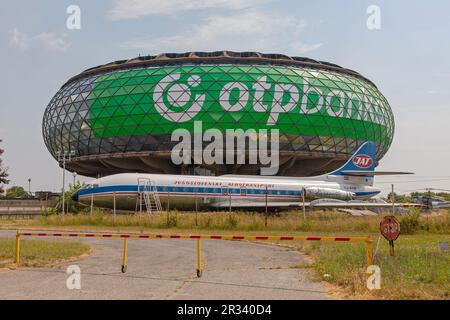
(17, 248)
(367, 240)
(124, 262)
(369, 252)
(199, 259)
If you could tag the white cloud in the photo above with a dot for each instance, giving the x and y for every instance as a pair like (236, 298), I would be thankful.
(251, 30)
(49, 41)
(304, 47)
(442, 74)
(431, 139)
(18, 39)
(52, 41)
(435, 92)
(133, 9)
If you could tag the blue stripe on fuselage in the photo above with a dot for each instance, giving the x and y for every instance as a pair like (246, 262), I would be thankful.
(200, 190)
(185, 189)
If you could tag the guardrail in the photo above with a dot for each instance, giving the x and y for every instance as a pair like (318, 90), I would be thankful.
(24, 208)
(367, 240)
(23, 212)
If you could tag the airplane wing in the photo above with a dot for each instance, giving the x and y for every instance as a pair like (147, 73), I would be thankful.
(373, 173)
(443, 205)
(250, 204)
(364, 205)
(312, 204)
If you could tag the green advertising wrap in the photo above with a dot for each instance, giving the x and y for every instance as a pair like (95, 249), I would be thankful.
(130, 109)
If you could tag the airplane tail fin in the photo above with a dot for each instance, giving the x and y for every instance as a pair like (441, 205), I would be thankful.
(361, 163)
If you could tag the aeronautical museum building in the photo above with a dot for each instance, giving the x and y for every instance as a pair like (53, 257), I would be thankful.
(120, 116)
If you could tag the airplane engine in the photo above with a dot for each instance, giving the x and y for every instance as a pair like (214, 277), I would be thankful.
(319, 193)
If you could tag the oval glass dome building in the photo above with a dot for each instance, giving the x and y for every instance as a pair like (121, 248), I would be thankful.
(119, 117)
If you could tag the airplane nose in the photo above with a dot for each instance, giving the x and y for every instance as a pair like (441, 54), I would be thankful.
(75, 197)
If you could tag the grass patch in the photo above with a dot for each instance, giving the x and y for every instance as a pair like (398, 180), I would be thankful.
(38, 253)
(316, 221)
(420, 270)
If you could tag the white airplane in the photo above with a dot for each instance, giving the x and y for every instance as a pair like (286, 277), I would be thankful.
(354, 180)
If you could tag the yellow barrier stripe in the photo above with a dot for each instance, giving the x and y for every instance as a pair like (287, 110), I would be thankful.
(219, 237)
(367, 240)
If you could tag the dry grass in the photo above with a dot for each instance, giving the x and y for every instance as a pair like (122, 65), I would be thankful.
(317, 221)
(420, 269)
(38, 253)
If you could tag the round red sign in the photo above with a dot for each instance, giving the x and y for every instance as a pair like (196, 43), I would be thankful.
(390, 228)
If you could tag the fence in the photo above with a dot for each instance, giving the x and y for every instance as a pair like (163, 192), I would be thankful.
(23, 208)
(367, 240)
(20, 212)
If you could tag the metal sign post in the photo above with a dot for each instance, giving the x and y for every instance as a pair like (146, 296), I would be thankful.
(390, 229)
(391, 248)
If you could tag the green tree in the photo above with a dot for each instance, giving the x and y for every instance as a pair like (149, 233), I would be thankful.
(402, 198)
(3, 173)
(444, 195)
(70, 205)
(17, 192)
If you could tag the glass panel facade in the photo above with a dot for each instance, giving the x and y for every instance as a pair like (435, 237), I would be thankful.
(133, 109)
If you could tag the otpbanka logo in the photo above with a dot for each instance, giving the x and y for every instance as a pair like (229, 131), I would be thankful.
(180, 98)
(184, 106)
(293, 98)
(177, 102)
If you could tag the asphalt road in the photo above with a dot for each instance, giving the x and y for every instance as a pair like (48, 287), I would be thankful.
(165, 269)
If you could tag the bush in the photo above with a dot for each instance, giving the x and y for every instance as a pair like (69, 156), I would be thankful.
(317, 222)
(305, 225)
(172, 220)
(45, 212)
(232, 221)
(410, 223)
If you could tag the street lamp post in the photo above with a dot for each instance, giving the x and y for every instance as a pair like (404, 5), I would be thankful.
(303, 203)
(62, 157)
(29, 186)
(74, 174)
(393, 199)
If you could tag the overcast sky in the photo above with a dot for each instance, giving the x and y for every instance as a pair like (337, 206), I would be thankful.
(408, 58)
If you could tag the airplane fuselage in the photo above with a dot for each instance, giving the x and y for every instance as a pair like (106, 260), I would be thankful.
(188, 192)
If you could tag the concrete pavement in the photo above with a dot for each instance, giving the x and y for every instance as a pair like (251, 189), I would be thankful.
(165, 269)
